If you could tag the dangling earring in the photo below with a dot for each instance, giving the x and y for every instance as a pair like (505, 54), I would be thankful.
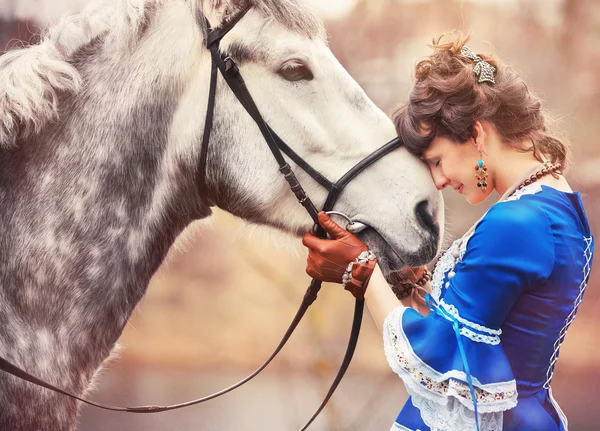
(481, 174)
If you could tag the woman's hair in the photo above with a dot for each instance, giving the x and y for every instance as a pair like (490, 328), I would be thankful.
(447, 99)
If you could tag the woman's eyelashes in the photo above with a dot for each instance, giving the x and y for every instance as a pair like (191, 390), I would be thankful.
(438, 163)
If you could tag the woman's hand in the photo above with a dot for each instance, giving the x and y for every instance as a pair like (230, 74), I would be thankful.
(329, 260)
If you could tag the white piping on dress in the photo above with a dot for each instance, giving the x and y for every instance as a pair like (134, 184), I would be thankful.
(469, 328)
(400, 427)
(561, 415)
(563, 332)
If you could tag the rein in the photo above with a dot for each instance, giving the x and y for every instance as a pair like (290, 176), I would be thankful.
(230, 72)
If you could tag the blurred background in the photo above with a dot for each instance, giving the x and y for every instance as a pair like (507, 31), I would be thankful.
(227, 292)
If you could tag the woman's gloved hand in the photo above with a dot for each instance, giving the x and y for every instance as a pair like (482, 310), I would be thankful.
(343, 259)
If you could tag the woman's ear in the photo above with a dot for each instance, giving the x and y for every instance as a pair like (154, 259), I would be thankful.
(479, 136)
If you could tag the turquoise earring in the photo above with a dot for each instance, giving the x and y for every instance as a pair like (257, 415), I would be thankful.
(481, 174)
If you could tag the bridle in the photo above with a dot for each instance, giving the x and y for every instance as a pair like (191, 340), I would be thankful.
(230, 72)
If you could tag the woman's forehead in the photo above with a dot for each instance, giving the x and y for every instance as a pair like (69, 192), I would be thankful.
(429, 153)
(438, 145)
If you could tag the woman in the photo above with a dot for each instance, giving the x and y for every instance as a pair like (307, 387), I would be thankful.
(482, 353)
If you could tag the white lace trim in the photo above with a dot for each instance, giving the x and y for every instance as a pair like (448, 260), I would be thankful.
(445, 263)
(531, 189)
(456, 421)
(455, 417)
(444, 399)
(479, 338)
(401, 427)
(454, 312)
(467, 330)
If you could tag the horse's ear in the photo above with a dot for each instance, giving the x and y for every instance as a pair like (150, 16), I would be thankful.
(222, 10)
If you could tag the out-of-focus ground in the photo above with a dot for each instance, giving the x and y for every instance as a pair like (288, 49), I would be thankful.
(219, 305)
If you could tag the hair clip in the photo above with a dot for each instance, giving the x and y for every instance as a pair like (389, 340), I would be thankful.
(482, 68)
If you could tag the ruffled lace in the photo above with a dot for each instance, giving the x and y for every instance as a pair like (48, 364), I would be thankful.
(454, 417)
(444, 400)
(445, 263)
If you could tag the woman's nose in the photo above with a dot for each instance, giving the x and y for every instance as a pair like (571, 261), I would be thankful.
(440, 181)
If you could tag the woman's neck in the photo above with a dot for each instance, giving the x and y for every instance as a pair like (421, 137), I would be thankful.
(515, 165)
(511, 168)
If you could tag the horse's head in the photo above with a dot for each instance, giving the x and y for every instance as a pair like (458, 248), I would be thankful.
(132, 83)
(311, 102)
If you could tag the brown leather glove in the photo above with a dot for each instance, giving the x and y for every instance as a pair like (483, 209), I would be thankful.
(329, 259)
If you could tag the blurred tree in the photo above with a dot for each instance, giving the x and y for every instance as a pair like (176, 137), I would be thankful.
(574, 27)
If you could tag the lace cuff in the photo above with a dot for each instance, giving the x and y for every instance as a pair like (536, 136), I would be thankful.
(442, 395)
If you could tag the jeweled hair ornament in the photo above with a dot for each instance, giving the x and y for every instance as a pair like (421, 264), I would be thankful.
(482, 68)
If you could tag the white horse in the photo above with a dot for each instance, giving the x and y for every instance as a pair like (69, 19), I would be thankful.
(100, 132)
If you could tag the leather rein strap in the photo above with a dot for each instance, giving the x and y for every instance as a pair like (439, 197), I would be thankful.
(231, 75)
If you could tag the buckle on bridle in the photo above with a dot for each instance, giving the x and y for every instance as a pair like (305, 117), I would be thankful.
(230, 66)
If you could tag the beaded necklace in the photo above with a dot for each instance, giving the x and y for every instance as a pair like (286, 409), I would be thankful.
(532, 176)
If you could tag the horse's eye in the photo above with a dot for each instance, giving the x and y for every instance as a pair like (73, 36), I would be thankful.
(295, 71)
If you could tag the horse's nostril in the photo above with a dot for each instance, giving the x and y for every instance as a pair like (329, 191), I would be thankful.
(424, 213)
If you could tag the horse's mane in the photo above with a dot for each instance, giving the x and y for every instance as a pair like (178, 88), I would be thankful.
(32, 78)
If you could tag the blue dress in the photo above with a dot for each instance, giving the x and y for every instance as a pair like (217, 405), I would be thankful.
(519, 279)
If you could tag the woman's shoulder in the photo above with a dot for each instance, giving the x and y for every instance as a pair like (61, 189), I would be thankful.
(522, 213)
(539, 208)
(514, 237)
